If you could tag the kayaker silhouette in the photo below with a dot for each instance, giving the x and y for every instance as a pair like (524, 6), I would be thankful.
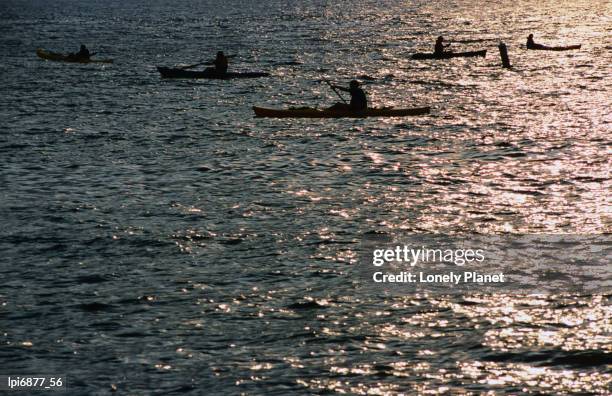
(83, 53)
(439, 46)
(359, 100)
(531, 44)
(221, 64)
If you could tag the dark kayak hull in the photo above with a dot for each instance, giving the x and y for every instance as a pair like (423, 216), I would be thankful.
(307, 112)
(167, 72)
(449, 55)
(541, 47)
(54, 56)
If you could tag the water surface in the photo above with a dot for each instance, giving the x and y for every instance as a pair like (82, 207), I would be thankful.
(159, 239)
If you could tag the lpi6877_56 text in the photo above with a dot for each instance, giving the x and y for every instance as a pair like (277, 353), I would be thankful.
(32, 382)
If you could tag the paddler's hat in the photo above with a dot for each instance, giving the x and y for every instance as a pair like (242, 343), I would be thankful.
(354, 84)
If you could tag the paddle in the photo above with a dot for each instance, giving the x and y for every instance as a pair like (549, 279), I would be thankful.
(212, 62)
(335, 90)
(197, 64)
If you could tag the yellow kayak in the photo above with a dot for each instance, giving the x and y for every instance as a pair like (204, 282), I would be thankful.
(54, 56)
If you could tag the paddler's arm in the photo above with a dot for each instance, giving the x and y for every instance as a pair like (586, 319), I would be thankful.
(341, 88)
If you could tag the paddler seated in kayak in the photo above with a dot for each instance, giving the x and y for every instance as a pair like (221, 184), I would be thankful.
(439, 47)
(531, 44)
(359, 101)
(83, 53)
(221, 64)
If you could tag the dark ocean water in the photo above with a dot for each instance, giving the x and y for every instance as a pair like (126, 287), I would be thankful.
(158, 239)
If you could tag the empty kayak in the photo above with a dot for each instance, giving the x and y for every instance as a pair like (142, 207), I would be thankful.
(448, 55)
(542, 47)
(309, 112)
(167, 72)
(54, 56)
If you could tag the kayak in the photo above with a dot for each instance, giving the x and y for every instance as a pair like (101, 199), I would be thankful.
(309, 112)
(54, 56)
(547, 48)
(167, 72)
(448, 55)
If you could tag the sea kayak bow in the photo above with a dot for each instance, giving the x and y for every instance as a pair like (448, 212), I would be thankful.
(308, 112)
(167, 72)
(71, 58)
(448, 55)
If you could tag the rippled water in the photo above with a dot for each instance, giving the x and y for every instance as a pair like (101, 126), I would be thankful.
(158, 239)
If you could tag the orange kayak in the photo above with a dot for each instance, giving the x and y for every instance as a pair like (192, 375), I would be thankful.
(309, 112)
